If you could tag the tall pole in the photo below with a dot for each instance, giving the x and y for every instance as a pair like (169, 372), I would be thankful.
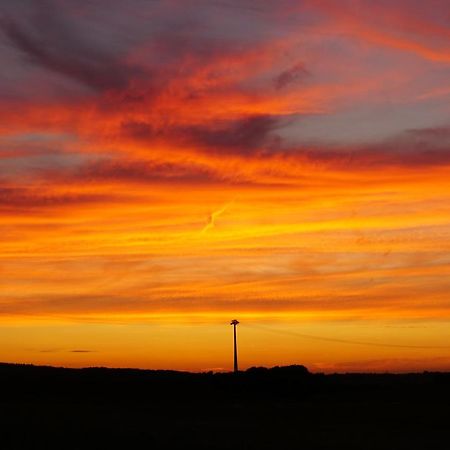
(234, 322)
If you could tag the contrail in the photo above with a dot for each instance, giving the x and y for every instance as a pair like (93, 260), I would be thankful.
(210, 224)
(213, 216)
(347, 341)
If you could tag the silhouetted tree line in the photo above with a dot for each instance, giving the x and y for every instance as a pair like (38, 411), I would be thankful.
(280, 407)
(124, 384)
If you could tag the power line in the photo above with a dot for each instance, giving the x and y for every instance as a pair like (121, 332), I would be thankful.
(345, 341)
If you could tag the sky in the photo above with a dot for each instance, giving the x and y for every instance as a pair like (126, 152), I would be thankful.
(167, 166)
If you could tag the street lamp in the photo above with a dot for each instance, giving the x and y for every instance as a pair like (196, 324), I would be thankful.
(234, 322)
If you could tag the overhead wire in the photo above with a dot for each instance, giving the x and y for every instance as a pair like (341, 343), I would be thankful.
(345, 341)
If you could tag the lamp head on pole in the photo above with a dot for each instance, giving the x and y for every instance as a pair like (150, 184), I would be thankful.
(234, 322)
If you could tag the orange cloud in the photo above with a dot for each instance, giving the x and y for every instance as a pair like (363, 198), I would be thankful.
(118, 168)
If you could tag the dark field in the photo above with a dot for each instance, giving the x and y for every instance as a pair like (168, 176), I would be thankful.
(265, 409)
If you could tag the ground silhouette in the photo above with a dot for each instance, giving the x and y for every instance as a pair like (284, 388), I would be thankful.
(277, 408)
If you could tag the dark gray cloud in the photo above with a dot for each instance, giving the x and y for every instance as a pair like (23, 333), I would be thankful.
(90, 42)
(411, 148)
(291, 75)
(257, 136)
(435, 135)
(48, 38)
(134, 53)
(241, 135)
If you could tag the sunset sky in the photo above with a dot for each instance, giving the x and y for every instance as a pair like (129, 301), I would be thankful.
(167, 166)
